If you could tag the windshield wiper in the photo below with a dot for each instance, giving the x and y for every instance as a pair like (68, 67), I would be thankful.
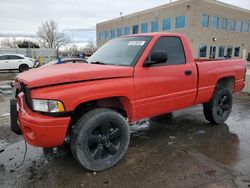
(98, 62)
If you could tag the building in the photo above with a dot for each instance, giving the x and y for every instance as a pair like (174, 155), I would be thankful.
(214, 29)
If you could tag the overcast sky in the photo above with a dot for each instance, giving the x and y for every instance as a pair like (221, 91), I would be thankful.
(76, 17)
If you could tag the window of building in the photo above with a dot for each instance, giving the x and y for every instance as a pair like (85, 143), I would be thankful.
(229, 51)
(135, 29)
(224, 24)
(166, 24)
(119, 32)
(112, 34)
(154, 26)
(144, 27)
(232, 25)
(180, 22)
(236, 51)
(102, 36)
(203, 51)
(174, 49)
(245, 27)
(215, 22)
(127, 30)
(212, 52)
(221, 51)
(106, 35)
(238, 26)
(205, 21)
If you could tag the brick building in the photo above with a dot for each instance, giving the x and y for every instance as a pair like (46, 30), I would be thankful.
(214, 29)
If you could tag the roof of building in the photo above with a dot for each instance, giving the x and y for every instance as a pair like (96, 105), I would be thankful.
(219, 3)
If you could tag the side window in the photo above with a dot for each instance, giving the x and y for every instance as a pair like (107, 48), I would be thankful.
(174, 49)
(3, 57)
(11, 57)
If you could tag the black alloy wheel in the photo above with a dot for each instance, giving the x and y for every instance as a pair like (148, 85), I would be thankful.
(224, 105)
(100, 139)
(218, 109)
(104, 141)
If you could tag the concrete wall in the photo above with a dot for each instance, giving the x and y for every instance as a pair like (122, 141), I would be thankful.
(193, 10)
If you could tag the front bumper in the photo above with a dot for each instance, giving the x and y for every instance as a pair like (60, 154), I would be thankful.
(37, 129)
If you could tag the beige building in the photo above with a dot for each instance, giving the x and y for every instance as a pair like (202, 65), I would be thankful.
(214, 29)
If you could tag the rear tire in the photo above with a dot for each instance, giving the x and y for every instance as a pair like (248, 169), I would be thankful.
(23, 68)
(100, 139)
(218, 109)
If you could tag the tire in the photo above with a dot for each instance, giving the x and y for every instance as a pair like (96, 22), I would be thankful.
(218, 109)
(23, 68)
(100, 139)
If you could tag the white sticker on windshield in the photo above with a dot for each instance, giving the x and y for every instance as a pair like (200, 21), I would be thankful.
(136, 43)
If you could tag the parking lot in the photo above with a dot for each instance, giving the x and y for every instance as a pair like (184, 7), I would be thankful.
(179, 150)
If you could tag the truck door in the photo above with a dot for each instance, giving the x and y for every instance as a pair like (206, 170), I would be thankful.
(165, 87)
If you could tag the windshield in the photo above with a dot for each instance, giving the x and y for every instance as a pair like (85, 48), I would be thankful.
(122, 51)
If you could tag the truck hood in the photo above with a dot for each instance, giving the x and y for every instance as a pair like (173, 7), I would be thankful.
(67, 73)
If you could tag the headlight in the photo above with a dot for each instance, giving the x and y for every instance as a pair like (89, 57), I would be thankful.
(52, 106)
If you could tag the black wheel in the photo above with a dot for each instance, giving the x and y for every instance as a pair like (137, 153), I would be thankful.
(23, 68)
(100, 139)
(219, 107)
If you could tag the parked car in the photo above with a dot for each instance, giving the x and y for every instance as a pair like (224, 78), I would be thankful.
(91, 105)
(15, 62)
(64, 61)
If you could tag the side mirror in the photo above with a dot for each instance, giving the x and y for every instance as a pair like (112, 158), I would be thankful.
(156, 57)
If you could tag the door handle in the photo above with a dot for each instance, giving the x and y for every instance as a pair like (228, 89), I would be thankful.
(188, 72)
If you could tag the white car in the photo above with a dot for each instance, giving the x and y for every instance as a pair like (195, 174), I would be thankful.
(15, 62)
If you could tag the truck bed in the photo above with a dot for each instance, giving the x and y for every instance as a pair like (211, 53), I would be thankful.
(210, 71)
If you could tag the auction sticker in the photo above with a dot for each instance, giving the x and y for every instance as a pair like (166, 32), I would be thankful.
(136, 43)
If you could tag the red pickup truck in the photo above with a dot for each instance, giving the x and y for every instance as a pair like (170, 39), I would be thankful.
(91, 105)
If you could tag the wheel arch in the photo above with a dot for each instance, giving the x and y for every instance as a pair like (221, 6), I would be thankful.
(226, 82)
(23, 64)
(120, 104)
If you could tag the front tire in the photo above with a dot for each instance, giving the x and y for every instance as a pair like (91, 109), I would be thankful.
(100, 139)
(218, 109)
(23, 68)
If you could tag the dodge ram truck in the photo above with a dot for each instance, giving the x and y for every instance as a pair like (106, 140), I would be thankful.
(91, 105)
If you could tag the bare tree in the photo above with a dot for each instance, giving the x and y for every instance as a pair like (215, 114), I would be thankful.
(50, 37)
(90, 47)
